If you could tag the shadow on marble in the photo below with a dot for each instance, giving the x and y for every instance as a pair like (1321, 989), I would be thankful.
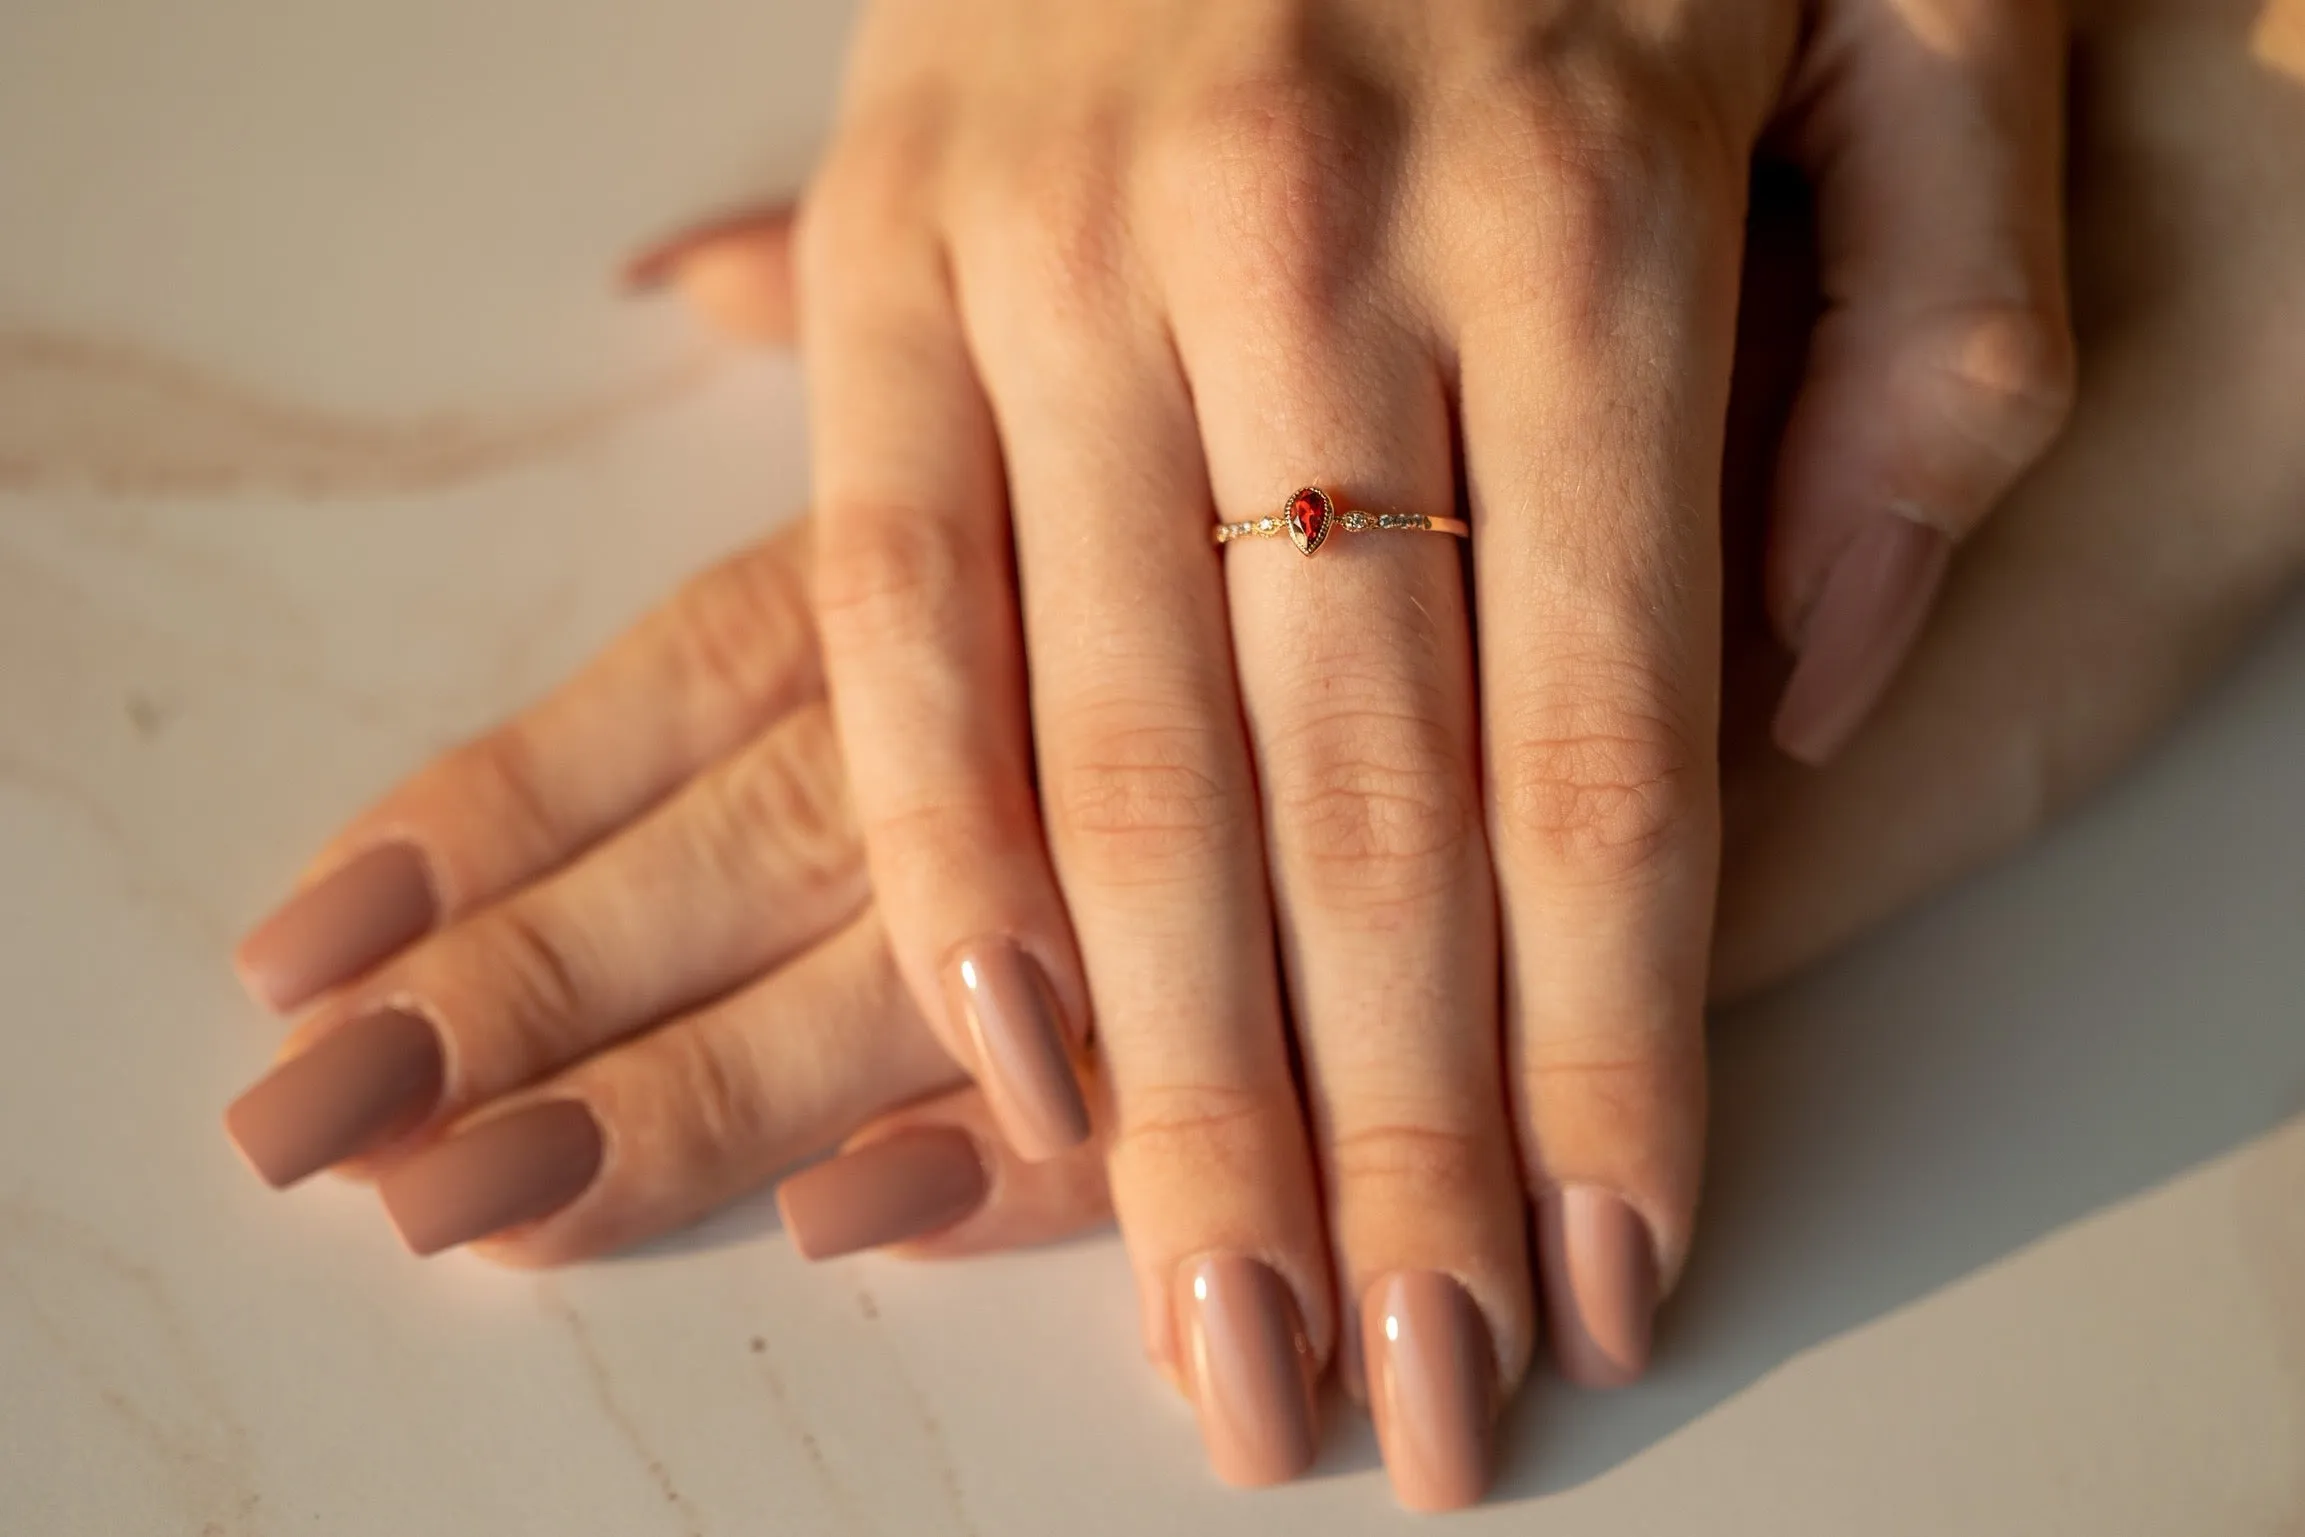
(1877, 1137)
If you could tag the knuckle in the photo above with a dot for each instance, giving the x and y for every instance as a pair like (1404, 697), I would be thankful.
(1604, 797)
(1057, 226)
(1429, 1162)
(1143, 804)
(869, 188)
(742, 630)
(2017, 367)
(1584, 191)
(506, 776)
(786, 793)
(537, 975)
(1374, 807)
(717, 1107)
(889, 571)
(1284, 172)
(1192, 1131)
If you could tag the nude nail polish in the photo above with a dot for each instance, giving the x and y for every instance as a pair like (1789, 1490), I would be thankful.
(349, 1092)
(906, 1185)
(1001, 1000)
(1600, 1281)
(339, 926)
(1249, 1367)
(1431, 1375)
(1858, 633)
(512, 1168)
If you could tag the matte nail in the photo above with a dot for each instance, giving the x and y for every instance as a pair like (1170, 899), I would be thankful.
(1249, 1367)
(905, 1185)
(1600, 1275)
(1431, 1378)
(347, 1093)
(1000, 998)
(509, 1169)
(340, 925)
(1859, 631)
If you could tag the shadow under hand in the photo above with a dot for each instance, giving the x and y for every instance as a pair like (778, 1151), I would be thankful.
(2069, 1033)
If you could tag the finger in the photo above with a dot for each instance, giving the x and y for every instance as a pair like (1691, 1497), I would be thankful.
(1594, 331)
(1943, 365)
(918, 607)
(1357, 678)
(753, 862)
(734, 650)
(1152, 811)
(936, 1180)
(735, 272)
(660, 1131)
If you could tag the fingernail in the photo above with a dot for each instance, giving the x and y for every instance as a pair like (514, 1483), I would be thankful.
(1000, 998)
(906, 1185)
(506, 1170)
(1600, 1275)
(1858, 633)
(1431, 1376)
(350, 1091)
(340, 925)
(1249, 1367)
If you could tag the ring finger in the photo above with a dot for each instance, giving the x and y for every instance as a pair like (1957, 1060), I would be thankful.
(1357, 678)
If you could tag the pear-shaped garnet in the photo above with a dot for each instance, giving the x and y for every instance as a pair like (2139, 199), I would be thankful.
(1308, 518)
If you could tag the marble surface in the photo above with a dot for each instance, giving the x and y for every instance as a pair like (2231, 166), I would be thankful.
(322, 441)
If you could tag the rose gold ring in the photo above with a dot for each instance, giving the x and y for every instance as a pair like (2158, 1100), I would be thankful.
(1310, 516)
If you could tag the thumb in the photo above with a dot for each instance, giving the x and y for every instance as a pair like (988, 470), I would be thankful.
(1942, 367)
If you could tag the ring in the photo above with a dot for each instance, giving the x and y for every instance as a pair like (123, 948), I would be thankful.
(1310, 516)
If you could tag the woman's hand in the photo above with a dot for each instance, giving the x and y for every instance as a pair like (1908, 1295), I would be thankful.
(1080, 282)
(2165, 525)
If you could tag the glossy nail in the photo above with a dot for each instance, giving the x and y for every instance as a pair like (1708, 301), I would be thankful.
(1600, 1279)
(997, 994)
(340, 925)
(1249, 1367)
(1858, 633)
(509, 1169)
(1431, 1380)
(905, 1185)
(347, 1093)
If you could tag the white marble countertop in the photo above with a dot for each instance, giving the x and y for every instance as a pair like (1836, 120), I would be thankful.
(323, 441)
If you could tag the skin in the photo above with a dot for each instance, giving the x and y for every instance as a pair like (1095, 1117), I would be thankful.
(2119, 577)
(1079, 282)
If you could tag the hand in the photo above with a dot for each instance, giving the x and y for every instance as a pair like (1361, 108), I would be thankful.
(2072, 631)
(1082, 281)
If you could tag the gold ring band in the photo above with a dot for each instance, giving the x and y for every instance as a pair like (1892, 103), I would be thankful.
(1309, 516)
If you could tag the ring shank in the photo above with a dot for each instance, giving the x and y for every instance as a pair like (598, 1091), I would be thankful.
(1348, 522)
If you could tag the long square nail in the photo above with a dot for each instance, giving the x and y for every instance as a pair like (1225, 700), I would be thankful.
(517, 1167)
(339, 926)
(906, 1185)
(349, 1092)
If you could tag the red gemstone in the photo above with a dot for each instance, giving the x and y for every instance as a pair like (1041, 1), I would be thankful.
(1309, 518)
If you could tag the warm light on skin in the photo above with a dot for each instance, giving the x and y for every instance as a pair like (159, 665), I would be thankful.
(1392, 1328)
(2279, 40)
(1941, 26)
